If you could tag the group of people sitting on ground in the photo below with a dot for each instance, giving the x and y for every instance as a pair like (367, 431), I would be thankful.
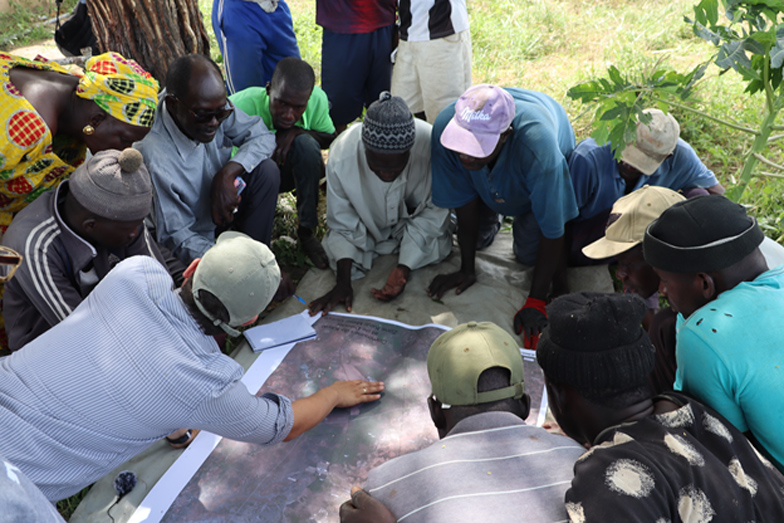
(667, 457)
(83, 303)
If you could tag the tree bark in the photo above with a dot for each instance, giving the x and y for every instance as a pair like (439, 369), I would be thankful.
(152, 32)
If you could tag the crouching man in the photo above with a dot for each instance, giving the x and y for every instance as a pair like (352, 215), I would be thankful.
(137, 361)
(378, 202)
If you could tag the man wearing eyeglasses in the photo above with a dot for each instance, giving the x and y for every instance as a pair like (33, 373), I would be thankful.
(197, 181)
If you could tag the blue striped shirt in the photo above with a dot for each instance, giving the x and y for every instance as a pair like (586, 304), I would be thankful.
(490, 467)
(129, 366)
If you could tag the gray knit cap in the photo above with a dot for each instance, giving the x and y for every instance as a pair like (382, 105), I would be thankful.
(388, 126)
(114, 185)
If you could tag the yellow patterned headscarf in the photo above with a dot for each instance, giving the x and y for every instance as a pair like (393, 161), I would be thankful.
(121, 88)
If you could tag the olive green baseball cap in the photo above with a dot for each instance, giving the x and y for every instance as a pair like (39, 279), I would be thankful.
(242, 273)
(458, 357)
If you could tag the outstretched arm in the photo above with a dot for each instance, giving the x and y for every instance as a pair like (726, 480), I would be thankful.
(310, 411)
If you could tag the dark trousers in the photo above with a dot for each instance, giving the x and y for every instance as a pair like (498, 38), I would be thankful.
(355, 68)
(259, 199)
(303, 169)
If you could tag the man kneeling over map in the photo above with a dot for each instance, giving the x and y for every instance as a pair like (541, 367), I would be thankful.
(378, 202)
(137, 361)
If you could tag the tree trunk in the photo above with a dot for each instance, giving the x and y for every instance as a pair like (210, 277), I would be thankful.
(152, 32)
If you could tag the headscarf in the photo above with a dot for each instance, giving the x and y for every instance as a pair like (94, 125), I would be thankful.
(121, 88)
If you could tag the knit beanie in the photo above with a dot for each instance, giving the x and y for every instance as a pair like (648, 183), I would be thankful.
(595, 342)
(388, 126)
(702, 234)
(113, 185)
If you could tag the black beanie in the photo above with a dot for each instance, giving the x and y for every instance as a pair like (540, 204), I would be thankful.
(702, 234)
(595, 342)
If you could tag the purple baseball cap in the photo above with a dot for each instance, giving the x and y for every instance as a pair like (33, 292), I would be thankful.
(482, 113)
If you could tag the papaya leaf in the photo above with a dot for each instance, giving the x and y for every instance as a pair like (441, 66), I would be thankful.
(732, 55)
(777, 52)
(703, 32)
(753, 46)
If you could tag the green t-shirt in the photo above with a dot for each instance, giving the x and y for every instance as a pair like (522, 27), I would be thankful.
(255, 101)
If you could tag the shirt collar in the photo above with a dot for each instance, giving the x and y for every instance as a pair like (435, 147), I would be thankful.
(184, 145)
(485, 421)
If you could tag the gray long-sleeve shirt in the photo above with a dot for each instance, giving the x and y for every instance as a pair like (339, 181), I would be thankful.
(368, 217)
(182, 171)
(127, 367)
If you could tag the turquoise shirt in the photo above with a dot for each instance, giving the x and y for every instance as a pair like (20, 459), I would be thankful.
(255, 101)
(730, 355)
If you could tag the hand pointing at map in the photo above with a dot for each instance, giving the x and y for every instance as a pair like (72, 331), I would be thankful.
(310, 411)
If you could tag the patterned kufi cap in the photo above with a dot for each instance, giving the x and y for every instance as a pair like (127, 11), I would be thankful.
(121, 88)
(388, 126)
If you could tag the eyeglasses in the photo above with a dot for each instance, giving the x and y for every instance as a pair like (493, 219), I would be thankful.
(10, 260)
(207, 116)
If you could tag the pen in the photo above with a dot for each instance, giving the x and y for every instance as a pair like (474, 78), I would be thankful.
(303, 302)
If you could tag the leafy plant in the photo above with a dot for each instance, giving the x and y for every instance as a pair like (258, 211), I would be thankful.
(749, 40)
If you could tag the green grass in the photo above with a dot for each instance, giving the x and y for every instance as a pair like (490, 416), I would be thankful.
(24, 25)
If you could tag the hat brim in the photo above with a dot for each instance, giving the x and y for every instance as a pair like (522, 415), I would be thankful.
(458, 139)
(639, 160)
(604, 248)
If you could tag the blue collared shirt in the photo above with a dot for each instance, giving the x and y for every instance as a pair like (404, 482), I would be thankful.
(597, 184)
(182, 171)
(530, 175)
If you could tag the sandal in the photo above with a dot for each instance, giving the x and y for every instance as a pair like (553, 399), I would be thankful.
(184, 440)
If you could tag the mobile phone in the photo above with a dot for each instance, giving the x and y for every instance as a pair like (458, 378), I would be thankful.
(239, 184)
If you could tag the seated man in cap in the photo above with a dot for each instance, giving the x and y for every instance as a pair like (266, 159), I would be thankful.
(706, 253)
(658, 158)
(505, 151)
(189, 155)
(70, 239)
(378, 202)
(137, 361)
(297, 111)
(663, 458)
(478, 405)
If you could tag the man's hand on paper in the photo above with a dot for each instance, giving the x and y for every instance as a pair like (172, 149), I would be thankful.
(353, 392)
(341, 293)
(310, 411)
(364, 507)
(396, 282)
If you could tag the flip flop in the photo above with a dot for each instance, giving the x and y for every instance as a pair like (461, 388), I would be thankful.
(184, 440)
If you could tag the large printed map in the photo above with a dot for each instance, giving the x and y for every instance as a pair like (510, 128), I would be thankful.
(307, 479)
